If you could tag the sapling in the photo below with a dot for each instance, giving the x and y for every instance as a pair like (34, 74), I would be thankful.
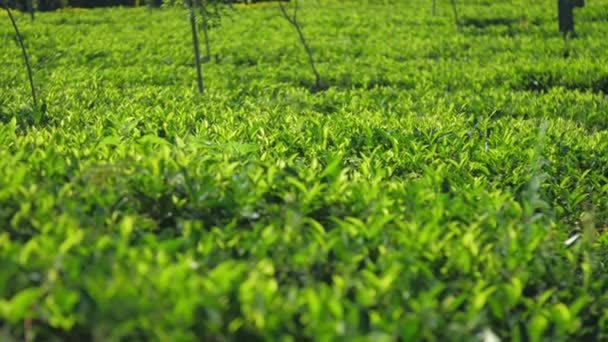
(293, 20)
(23, 50)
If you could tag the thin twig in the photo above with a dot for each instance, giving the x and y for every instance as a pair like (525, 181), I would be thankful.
(25, 56)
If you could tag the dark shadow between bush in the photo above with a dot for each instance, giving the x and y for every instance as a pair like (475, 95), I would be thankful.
(543, 82)
(483, 23)
(26, 116)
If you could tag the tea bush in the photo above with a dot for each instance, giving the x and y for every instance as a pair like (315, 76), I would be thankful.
(450, 184)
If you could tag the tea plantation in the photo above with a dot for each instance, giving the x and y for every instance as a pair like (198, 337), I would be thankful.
(450, 184)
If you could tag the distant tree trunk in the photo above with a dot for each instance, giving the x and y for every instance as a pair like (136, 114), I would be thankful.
(566, 16)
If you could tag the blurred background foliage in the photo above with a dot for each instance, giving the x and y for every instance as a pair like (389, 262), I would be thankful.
(51, 5)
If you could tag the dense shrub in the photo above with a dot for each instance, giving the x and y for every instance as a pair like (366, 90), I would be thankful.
(450, 185)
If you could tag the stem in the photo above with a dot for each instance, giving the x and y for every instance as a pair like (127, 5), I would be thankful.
(197, 53)
(294, 21)
(434, 11)
(25, 56)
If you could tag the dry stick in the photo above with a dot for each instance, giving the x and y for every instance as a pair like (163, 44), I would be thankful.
(197, 53)
(205, 33)
(455, 10)
(294, 21)
(25, 56)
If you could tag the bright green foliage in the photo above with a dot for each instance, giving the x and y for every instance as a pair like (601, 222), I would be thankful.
(427, 194)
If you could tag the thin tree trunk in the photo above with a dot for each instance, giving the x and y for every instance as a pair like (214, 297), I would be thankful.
(25, 56)
(197, 53)
(294, 21)
(565, 13)
(310, 58)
